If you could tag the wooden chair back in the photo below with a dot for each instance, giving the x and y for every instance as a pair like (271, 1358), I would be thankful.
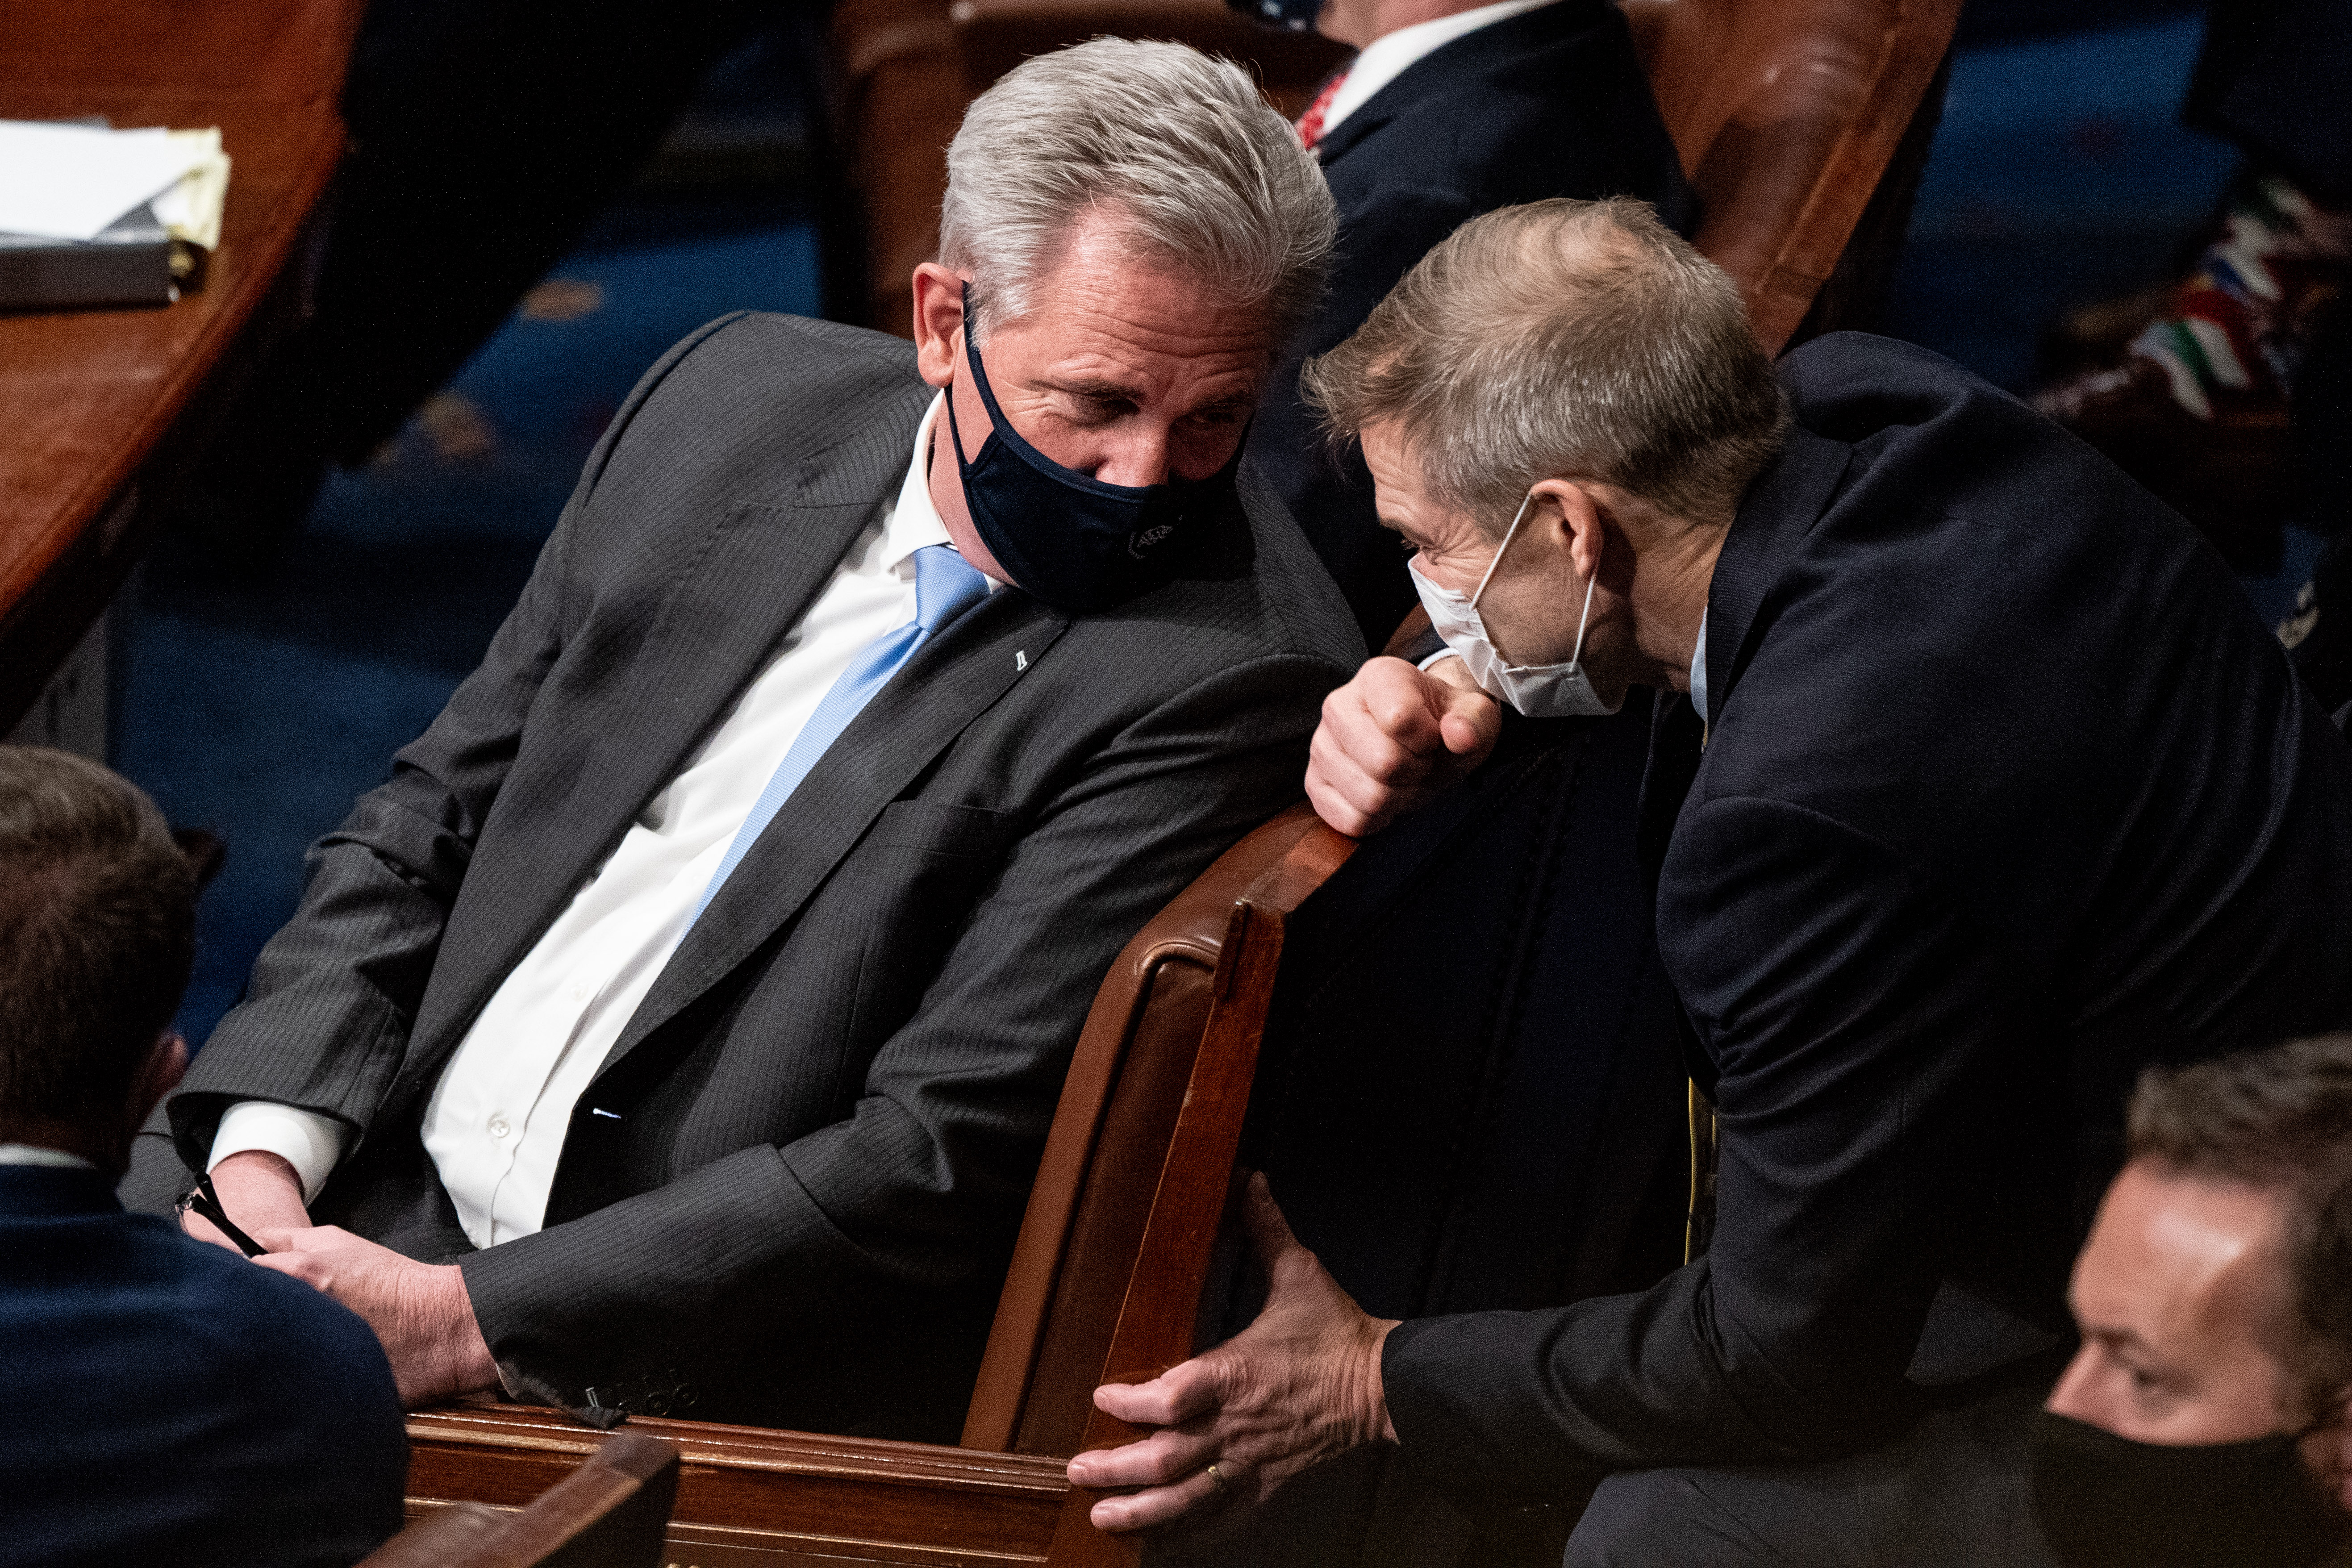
(1105, 1283)
(611, 1511)
(1787, 113)
(1108, 1269)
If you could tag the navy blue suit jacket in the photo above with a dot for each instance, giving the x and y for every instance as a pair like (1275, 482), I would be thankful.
(2008, 793)
(168, 1401)
(1549, 103)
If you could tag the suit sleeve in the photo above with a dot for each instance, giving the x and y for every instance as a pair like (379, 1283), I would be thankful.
(909, 1204)
(1866, 1029)
(323, 1024)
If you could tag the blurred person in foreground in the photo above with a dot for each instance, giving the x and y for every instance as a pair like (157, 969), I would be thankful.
(167, 1403)
(2204, 1421)
(678, 1028)
(1976, 786)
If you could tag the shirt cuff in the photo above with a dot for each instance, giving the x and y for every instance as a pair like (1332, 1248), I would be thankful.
(305, 1140)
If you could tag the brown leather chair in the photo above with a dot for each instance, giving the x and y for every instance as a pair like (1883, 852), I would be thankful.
(1105, 1282)
(1788, 115)
(896, 95)
(609, 1512)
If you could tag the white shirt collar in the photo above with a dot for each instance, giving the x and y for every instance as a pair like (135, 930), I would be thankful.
(34, 1154)
(1698, 671)
(915, 520)
(1389, 57)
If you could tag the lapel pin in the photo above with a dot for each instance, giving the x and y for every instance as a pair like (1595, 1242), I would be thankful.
(1020, 660)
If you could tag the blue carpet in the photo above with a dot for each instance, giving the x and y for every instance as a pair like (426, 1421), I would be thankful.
(2060, 173)
(260, 710)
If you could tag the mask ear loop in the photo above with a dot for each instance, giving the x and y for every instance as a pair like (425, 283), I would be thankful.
(1516, 518)
(1576, 655)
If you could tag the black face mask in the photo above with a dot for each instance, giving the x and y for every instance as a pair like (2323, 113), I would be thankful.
(1077, 543)
(2108, 1501)
(1291, 15)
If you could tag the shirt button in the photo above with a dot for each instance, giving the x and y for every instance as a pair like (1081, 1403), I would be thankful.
(499, 1127)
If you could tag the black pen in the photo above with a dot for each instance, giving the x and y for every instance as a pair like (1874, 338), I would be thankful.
(206, 1202)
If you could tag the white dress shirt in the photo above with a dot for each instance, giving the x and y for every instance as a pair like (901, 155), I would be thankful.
(1698, 671)
(496, 1121)
(1388, 56)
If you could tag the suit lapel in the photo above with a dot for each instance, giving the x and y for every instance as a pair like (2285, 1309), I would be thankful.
(763, 566)
(949, 682)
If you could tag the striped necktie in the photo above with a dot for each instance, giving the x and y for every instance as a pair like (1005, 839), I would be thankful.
(945, 587)
(1310, 124)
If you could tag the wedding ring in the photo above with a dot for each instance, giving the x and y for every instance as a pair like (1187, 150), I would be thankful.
(1224, 1486)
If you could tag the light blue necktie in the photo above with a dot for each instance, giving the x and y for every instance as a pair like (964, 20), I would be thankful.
(945, 587)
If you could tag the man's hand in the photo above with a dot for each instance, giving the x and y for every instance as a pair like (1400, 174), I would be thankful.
(258, 1191)
(1299, 1385)
(1393, 739)
(420, 1313)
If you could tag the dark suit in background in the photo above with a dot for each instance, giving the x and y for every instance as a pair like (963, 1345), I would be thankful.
(170, 1402)
(819, 1129)
(2007, 794)
(1549, 103)
(485, 137)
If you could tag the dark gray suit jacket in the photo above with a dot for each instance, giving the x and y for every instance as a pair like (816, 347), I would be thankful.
(819, 1129)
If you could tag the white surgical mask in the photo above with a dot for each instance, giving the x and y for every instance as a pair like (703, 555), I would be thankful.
(1539, 691)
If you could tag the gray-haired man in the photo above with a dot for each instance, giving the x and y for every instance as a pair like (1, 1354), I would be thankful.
(1975, 785)
(680, 1023)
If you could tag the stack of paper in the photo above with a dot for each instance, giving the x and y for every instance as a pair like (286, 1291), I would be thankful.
(92, 216)
(72, 182)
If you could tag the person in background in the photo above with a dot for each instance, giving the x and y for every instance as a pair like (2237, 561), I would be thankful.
(2229, 393)
(2204, 1421)
(1452, 108)
(168, 1403)
(485, 136)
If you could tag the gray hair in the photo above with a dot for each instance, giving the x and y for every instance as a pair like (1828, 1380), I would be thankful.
(1209, 176)
(1562, 339)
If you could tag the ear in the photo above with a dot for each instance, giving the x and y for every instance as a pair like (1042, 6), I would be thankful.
(939, 322)
(1574, 515)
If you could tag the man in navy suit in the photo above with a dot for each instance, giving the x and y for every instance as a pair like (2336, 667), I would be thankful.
(1976, 785)
(167, 1402)
(1452, 108)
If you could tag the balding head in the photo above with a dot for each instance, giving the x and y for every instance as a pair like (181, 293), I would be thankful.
(1563, 339)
